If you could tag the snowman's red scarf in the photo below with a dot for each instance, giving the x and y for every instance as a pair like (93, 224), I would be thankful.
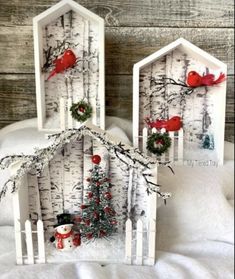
(60, 238)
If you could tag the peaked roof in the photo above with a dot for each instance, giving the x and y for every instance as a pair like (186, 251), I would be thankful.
(128, 155)
(181, 42)
(63, 7)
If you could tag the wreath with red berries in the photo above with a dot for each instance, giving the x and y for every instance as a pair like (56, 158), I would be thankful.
(158, 143)
(81, 111)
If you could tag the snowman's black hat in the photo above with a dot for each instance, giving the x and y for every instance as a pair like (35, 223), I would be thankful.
(63, 219)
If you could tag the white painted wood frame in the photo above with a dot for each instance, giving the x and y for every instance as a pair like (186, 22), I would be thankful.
(39, 22)
(218, 93)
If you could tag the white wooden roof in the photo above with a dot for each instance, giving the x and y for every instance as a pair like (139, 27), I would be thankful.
(189, 47)
(63, 7)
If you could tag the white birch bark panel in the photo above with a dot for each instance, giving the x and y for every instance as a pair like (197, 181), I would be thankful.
(119, 192)
(56, 168)
(34, 197)
(75, 194)
(82, 36)
(196, 110)
(141, 199)
(44, 185)
(87, 163)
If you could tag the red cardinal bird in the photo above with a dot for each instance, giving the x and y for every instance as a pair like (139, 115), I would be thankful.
(67, 61)
(195, 80)
(173, 124)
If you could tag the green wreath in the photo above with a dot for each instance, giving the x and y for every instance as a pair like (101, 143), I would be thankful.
(158, 143)
(81, 111)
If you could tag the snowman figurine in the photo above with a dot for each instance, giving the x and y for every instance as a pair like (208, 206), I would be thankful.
(65, 238)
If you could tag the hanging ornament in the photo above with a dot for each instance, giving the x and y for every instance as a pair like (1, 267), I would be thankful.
(89, 236)
(96, 159)
(66, 61)
(102, 233)
(108, 196)
(89, 195)
(171, 125)
(158, 143)
(81, 111)
(196, 80)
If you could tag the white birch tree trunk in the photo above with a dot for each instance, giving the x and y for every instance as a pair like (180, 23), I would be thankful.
(44, 185)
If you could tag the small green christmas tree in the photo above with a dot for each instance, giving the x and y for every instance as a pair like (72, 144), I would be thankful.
(98, 216)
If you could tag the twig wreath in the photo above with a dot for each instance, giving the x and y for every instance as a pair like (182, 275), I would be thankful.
(81, 111)
(158, 143)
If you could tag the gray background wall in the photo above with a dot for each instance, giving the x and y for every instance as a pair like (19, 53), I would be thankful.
(134, 29)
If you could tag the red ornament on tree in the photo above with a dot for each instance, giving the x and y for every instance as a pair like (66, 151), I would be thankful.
(87, 222)
(96, 159)
(89, 195)
(97, 201)
(102, 233)
(108, 196)
(78, 219)
(114, 222)
(83, 206)
(89, 235)
(98, 184)
(96, 215)
(107, 209)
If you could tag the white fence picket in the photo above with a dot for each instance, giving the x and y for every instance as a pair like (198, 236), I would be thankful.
(41, 243)
(18, 243)
(128, 244)
(139, 243)
(29, 242)
(152, 242)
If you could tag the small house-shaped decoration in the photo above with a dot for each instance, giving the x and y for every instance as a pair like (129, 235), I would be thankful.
(69, 66)
(181, 80)
(55, 180)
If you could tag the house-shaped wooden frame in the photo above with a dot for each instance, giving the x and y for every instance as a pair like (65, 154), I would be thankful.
(54, 180)
(68, 25)
(203, 112)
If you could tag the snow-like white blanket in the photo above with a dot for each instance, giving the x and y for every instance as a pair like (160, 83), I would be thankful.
(194, 231)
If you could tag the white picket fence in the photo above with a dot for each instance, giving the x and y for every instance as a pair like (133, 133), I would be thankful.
(175, 152)
(140, 243)
(27, 250)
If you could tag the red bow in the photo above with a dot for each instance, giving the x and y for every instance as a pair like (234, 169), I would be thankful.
(196, 80)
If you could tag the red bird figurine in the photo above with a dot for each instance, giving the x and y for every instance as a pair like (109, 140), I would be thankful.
(173, 124)
(68, 60)
(195, 80)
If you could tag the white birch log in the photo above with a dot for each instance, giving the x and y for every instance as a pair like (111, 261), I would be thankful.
(87, 163)
(67, 179)
(76, 176)
(44, 185)
(29, 242)
(119, 200)
(34, 198)
(56, 168)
